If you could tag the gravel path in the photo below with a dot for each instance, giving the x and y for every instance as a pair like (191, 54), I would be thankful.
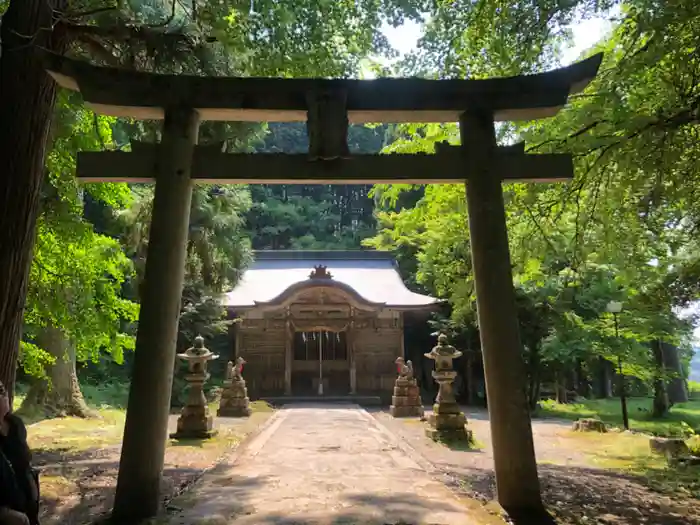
(325, 465)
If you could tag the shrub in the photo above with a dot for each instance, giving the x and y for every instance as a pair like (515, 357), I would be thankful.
(694, 445)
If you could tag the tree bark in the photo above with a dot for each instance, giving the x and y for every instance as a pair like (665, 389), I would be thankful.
(27, 95)
(534, 379)
(561, 386)
(604, 376)
(60, 394)
(676, 387)
(661, 404)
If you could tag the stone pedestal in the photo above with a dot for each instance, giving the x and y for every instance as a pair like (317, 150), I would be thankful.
(195, 422)
(447, 422)
(406, 401)
(234, 398)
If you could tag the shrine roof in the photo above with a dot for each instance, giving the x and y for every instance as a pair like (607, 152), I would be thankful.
(143, 95)
(371, 275)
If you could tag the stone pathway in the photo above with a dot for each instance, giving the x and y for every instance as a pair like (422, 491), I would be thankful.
(323, 465)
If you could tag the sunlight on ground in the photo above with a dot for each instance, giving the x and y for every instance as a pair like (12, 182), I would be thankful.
(615, 449)
(630, 453)
(75, 434)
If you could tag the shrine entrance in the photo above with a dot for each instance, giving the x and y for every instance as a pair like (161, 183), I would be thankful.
(321, 364)
(328, 106)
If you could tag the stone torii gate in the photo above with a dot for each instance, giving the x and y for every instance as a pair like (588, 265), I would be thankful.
(327, 106)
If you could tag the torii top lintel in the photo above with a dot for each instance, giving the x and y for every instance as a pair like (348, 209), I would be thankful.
(125, 93)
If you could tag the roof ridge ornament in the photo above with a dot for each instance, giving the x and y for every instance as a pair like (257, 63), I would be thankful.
(320, 272)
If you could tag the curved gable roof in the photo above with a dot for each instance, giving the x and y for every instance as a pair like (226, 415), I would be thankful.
(371, 275)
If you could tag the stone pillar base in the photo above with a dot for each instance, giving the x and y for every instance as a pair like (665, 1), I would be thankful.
(461, 435)
(234, 401)
(194, 423)
(234, 411)
(448, 423)
(406, 411)
(406, 400)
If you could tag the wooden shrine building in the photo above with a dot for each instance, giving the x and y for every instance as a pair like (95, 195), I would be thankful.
(321, 322)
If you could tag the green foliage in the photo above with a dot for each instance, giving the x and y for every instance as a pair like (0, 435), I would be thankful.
(77, 274)
(624, 229)
(313, 216)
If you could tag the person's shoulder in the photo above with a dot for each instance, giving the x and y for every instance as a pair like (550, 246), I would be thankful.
(17, 423)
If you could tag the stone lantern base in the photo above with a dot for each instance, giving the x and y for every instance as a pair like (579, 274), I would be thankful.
(448, 423)
(234, 400)
(194, 422)
(406, 400)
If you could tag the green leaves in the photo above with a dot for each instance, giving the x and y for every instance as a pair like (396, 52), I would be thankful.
(625, 228)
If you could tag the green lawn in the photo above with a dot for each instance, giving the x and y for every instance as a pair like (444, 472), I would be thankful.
(682, 416)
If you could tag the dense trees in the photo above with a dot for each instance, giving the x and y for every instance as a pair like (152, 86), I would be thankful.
(218, 38)
(624, 229)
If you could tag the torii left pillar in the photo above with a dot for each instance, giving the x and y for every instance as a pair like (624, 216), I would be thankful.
(145, 433)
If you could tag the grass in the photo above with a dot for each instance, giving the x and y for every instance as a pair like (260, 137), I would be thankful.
(72, 434)
(75, 434)
(676, 423)
(630, 453)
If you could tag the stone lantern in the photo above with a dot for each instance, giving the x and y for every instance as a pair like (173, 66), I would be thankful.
(194, 421)
(447, 421)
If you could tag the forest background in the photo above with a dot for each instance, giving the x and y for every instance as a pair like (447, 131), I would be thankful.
(625, 229)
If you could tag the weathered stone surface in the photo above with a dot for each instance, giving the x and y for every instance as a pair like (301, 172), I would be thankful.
(234, 398)
(406, 401)
(447, 422)
(672, 448)
(589, 425)
(194, 421)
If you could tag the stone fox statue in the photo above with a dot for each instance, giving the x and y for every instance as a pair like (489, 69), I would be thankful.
(405, 368)
(237, 369)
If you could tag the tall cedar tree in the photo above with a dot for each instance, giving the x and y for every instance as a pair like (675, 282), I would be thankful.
(26, 106)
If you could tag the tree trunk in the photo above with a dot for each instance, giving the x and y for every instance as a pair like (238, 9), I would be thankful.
(561, 386)
(535, 380)
(27, 96)
(677, 391)
(469, 372)
(604, 386)
(661, 404)
(60, 394)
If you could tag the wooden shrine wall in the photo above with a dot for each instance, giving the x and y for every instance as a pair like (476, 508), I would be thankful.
(376, 342)
(376, 348)
(261, 342)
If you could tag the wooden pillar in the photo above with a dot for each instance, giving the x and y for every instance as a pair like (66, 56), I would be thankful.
(145, 433)
(517, 483)
(351, 351)
(288, 355)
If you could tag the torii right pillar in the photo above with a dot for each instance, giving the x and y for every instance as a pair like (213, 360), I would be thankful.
(517, 483)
